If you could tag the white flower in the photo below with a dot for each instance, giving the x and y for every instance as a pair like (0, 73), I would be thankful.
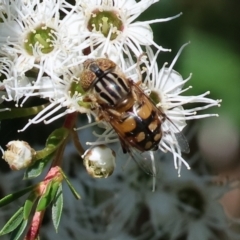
(18, 155)
(62, 93)
(12, 84)
(164, 87)
(109, 27)
(35, 36)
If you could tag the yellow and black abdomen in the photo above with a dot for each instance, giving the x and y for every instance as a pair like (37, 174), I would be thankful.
(139, 126)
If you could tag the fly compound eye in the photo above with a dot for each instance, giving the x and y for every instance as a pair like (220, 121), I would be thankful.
(87, 76)
(105, 64)
(87, 62)
(86, 79)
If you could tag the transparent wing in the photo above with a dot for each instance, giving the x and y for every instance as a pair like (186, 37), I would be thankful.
(182, 142)
(181, 139)
(145, 160)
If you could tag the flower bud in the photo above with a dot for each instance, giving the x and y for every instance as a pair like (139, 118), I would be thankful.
(18, 154)
(99, 161)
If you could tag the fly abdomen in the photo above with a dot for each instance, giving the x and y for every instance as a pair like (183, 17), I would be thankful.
(146, 133)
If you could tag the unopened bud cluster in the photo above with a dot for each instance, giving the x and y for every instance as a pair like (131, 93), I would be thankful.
(18, 155)
(99, 161)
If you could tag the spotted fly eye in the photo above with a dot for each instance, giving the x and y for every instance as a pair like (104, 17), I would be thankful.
(86, 79)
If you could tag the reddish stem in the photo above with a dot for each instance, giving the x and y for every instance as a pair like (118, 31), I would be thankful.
(70, 120)
(33, 231)
(35, 226)
(69, 123)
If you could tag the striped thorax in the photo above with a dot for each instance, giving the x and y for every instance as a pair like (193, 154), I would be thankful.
(101, 78)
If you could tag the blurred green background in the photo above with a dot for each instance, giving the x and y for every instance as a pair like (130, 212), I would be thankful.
(213, 27)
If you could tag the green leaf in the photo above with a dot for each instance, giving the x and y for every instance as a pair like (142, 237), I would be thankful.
(17, 233)
(215, 66)
(57, 207)
(13, 222)
(45, 198)
(36, 169)
(54, 190)
(57, 137)
(74, 192)
(48, 196)
(21, 112)
(28, 205)
(13, 196)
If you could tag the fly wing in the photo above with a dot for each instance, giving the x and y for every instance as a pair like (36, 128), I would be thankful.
(181, 139)
(145, 160)
(182, 142)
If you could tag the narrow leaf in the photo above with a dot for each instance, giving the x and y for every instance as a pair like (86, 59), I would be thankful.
(13, 196)
(28, 205)
(45, 198)
(21, 112)
(74, 192)
(54, 189)
(57, 137)
(13, 222)
(57, 207)
(36, 169)
(48, 196)
(17, 233)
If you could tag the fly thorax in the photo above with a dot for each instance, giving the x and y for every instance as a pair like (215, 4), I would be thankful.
(110, 89)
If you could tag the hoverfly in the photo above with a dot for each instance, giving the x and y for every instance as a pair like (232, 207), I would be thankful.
(123, 104)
